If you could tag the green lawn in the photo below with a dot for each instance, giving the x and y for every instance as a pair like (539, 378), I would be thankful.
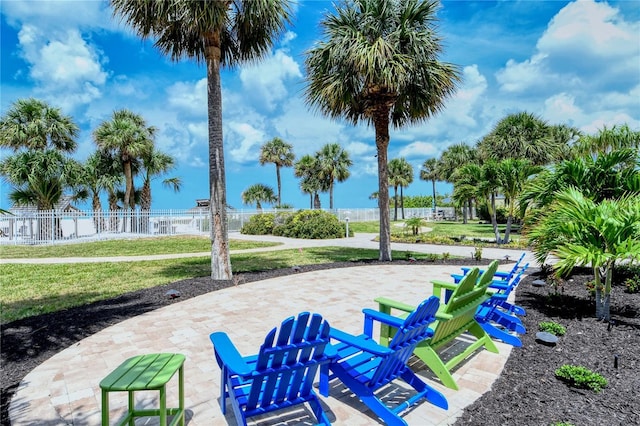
(132, 247)
(34, 289)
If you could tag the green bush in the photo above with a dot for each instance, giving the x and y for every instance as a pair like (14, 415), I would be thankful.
(552, 327)
(501, 214)
(260, 224)
(280, 223)
(581, 377)
(314, 224)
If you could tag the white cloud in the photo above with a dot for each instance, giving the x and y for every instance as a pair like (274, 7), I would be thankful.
(268, 83)
(63, 65)
(418, 149)
(189, 97)
(519, 76)
(357, 149)
(243, 141)
(59, 15)
(562, 108)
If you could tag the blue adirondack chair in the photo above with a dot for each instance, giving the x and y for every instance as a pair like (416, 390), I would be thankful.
(499, 275)
(497, 322)
(281, 375)
(365, 366)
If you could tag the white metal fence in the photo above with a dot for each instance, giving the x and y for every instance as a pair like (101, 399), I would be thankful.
(45, 227)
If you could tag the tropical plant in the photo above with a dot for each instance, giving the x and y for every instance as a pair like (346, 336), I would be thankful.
(581, 232)
(431, 172)
(280, 153)
(33, 124)
(552, 327)
(220, 34)
(400, 175)
(308, 169)
(127, 137)
(333, 165)
(581, 377)
(453, 158)
(521, 136)
(607, 140)
(378, 63)
(40, 178)
(258, 194)
(513, 175)
(156, 163)
(101, 172)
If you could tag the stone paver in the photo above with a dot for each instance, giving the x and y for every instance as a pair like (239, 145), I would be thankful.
(65, 388)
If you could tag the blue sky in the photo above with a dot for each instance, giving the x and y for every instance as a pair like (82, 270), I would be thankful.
(576, 63)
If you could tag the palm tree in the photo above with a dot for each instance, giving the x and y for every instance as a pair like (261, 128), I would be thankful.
(513, 174)
(220, 34)
(607, 140)
(33, 124)
(280, 153)
(581, 232)
(431, 172)
(156, 163)
(453, 158)
(258, 194)
(400, 174)
(308, 169)
(41, 178)
(333, 163)
(101, 172)
(379, 64)
(128, 137)
(522, 136)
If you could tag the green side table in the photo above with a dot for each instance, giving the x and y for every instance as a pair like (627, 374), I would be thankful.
(146, 372)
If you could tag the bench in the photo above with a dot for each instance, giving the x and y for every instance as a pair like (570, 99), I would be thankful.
(144, 373)
(453, 319)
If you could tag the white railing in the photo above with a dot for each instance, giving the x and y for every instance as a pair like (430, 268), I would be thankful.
(53, 226)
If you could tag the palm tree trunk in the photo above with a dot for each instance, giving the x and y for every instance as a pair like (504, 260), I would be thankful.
(433, 183)
(128, 191)
(316, 201)
(220, 261)
(331, 196)
(494, 219)
(279, 185)
(98, 219)
(395, 203)
(381, 124)
(401, 202)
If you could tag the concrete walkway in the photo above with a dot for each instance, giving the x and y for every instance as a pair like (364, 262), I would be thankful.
(64, 390)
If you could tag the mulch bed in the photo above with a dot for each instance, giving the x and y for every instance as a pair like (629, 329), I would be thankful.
(526, 392)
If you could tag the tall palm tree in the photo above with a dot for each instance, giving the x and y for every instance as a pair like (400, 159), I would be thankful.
(513, 174)
(308, 169)
(479, 182)
(220, 34)
(258, 194)
(333, 163)
(280, 153)
(128, 137)
(523, 136)
(581, 232)
(156, 163)
(101, 172)
(378, 63)
(607, 140)
(431, 172)
(400, 175)
(33, 124)
(453, 158)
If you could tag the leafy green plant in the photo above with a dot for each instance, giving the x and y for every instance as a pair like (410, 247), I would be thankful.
(477, 254)
(581, 377)
(431, 257)
(552, 327)
(415, 223)
(562, 424)
(632, 285)
(260, 224)
(446, 256)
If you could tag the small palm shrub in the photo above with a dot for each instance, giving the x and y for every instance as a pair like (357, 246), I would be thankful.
(552, 327)
(581, 377)
(477, 253)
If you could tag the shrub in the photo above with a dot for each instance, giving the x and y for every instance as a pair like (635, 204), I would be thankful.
(477, 253)
(431, 257)
(260, 224)
(446, 255)
(562, 424)
(553, 328)
(632, 285)
(313, 224)
(280, 223)
(581, 377)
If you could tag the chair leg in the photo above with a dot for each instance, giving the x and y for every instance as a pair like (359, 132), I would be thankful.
(433, 361)
(431, 395)
(482, 335)
(501, 335)
(321, 416)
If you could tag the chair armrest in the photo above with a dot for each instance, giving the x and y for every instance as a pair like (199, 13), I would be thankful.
(227, 354)
(367, 345)
(390, 303)
(457, 277)
(501, 274)
(439, 285)
(370, 315)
